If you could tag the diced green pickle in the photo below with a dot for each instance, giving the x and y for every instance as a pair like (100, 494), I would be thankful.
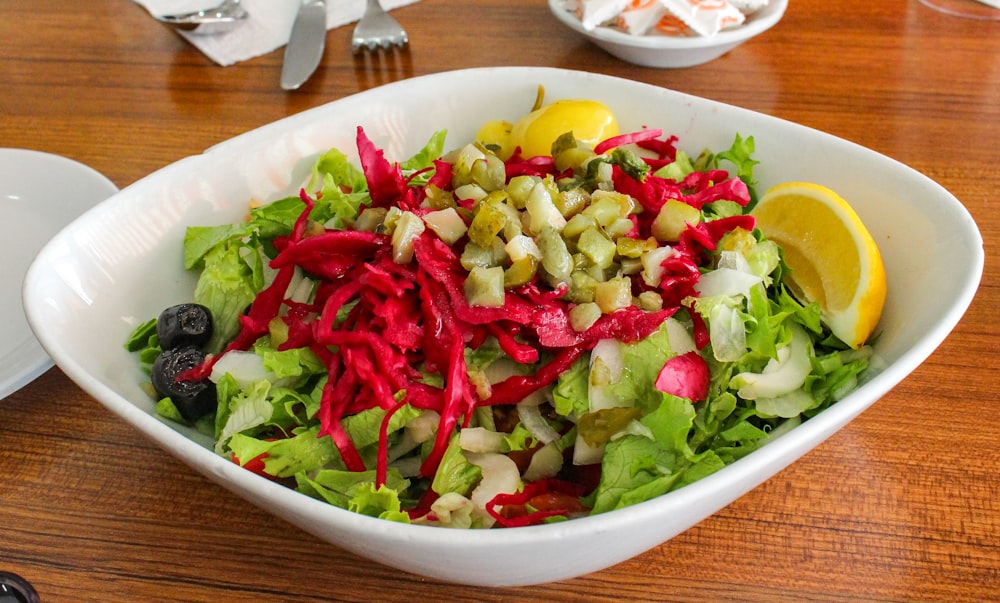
(650, 301)
(519, 188)
(577, 224)
(596, 428)
(594, 244)
(673, 218)
(571, 202)
(520, 272)
(619, 228)
(634, 248)
(484, 287)
(483, 257)
(556, 259)
(371, 219)
(614, 294)
(438, 198)
(489, 221)
(583, 316)
(489, 173)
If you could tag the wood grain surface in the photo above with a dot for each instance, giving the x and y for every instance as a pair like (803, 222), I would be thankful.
(902, 505)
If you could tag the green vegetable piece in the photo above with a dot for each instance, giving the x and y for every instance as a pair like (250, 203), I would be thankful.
(474, 255)
(596, 428)
(572, 201)
(634, 248)
(141, 336)
(605, 209)
(569, 153)
(484, 287)
(577, 224)
(520, 272)
(489, 173)
(489, 221)
(556, 259)
(597, 247)
(519, 188)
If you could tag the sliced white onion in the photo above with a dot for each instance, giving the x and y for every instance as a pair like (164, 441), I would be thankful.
(606, 365)
(500, 476)
(780, 376)
(585, 454)
(681, 341)
(424, 426)
(545, 463)
(480, 439)
(244, 367)
(532, 419)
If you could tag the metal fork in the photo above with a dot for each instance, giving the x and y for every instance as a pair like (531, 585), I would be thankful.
(378, 29)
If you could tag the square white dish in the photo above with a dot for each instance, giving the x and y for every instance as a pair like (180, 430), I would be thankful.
(121, 263)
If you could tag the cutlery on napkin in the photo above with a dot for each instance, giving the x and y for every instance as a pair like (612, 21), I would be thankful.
(268, 27)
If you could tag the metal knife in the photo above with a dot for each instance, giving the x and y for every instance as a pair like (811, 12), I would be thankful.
(305, 45)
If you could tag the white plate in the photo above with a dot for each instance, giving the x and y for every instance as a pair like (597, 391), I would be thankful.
(39, 194)
(121, 264)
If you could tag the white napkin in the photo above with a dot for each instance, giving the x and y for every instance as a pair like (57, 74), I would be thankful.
(267, 27)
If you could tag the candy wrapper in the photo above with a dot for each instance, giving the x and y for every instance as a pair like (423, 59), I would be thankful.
(666, 17)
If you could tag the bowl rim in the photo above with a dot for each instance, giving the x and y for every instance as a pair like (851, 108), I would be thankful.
(699, 500)
(758, 23)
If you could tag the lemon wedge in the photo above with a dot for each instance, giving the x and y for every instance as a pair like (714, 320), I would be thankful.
(834, 259)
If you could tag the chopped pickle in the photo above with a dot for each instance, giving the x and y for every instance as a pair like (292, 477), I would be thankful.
(571, 202)
(583, 316)
(521, 246)
(631, 266)
(484, 287)
(371, 219)
(556, 259)
(603, 209)
(520, 272)
(650, 301)
(634, 248)
(673, 218)
(489, 173)
(596, 428)
(462, 162)
(598, 248)
(577, 224)
(542, 209)
(581, 287)
(447, 224)
(569, 153)
(519, 188)
(619, 228)
(613, 294)
(438, 198)
(408, 227)
(489, 221)
(470, 192)
(473, 256)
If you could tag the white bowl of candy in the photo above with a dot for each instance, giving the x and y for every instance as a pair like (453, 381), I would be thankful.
(668, 33)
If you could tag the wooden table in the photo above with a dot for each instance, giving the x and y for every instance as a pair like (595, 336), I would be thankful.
(903, 504)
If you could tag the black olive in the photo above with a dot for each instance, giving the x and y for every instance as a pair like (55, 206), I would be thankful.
(184, 324)
(193, 399)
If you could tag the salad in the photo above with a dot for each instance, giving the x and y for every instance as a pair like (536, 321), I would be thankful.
(480, 338)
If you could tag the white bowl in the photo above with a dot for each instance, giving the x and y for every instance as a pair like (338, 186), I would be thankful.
(120, 264)
(39, 194)
(666, 51)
